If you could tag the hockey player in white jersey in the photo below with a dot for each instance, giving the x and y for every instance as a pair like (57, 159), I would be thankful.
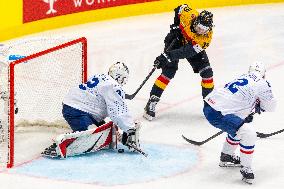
(102, 96)
(231, 109)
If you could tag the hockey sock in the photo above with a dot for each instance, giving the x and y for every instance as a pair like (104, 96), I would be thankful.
(160, 85)
(247, 135)
(230, 145)
(207, 86)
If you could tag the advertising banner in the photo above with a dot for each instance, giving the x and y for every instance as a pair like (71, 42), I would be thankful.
(40, 9)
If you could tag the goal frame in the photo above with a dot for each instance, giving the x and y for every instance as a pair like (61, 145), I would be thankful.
(11, 87)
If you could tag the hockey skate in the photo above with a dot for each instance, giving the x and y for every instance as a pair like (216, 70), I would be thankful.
(227, 160)
(247, 174)
(51, 151)
(149, 113)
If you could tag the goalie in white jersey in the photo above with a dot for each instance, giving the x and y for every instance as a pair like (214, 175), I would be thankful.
(100, 97)
(230, 109)
(88, 104)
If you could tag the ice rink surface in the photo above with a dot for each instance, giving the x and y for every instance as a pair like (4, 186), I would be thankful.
(242, 35)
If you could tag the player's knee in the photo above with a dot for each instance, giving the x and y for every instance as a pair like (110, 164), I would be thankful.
(247, 134)
(206, 72)
(169, 72)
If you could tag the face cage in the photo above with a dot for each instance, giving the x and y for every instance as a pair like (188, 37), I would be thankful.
(122, 80)
(201, 29)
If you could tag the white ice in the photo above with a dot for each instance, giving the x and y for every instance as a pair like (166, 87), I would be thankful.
(242, 35)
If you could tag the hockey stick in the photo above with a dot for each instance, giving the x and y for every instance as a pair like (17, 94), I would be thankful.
(202, 142)
(199, 143)
(263, 135)
(210, 138)
(137, 149)
(130, 97)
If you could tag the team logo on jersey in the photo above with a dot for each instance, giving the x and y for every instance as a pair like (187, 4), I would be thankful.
(51, 6)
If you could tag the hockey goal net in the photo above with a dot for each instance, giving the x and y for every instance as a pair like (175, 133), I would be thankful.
(36, 84)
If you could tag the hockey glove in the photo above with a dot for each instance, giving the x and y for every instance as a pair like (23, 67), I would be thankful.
(257, 108)
(161, 61)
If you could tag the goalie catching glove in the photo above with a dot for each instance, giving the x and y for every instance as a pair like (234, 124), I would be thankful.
(131, 137)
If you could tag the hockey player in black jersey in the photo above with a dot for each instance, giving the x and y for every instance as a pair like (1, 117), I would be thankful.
(188, 38)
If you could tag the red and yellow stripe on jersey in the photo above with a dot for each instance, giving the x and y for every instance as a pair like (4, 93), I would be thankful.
(207, 83)
(186, 15)
(162, 82)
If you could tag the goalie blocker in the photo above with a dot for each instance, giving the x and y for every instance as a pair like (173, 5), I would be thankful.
(92, 140)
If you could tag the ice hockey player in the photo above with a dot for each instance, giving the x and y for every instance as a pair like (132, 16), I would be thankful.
(102, 96)
(188, 38)
(230, 109)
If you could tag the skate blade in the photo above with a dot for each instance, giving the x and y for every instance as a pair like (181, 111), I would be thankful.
(148, 117)
(248, 181)
(225, 164)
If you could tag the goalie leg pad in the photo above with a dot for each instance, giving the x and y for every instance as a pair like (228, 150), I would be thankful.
(81, 142)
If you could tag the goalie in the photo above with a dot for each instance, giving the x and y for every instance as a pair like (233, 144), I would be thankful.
(85, 108)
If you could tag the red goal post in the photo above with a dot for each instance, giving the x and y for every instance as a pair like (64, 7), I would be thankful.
(35, 78)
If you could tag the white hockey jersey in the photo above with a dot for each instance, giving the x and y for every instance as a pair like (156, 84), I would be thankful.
(102, 97)
(239, 96)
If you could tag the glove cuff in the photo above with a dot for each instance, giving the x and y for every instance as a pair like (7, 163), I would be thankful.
(167, 57)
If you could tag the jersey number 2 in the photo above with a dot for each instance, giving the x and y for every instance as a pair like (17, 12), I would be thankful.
(233, 86)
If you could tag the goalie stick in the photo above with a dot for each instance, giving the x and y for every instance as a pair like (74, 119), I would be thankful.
(131, 96)
(137, 149)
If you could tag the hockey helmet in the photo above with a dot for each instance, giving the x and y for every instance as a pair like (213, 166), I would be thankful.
(258, 67)
(204, 22)
(119, 72)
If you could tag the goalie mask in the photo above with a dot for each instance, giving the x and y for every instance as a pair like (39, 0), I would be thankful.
(203, 23)
(258, 67)
(119, 72)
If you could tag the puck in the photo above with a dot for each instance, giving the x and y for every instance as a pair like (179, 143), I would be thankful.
(120, 150)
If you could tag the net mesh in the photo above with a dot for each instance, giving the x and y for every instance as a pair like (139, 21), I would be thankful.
(40, 84)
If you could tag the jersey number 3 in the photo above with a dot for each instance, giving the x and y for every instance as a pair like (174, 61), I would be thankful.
(233, 86)
(90, 84)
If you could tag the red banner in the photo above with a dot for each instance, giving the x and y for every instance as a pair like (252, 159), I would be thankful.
(40, 9)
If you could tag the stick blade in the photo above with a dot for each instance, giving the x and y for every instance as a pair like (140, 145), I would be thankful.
(192, 141)
(262, 135)
(129, 97)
